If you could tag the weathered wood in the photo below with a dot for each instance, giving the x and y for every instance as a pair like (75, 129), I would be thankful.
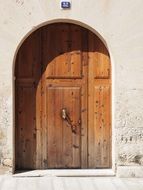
(63, 66)
(99, 104)
(27, 110)
(63, 145)
(65, 84)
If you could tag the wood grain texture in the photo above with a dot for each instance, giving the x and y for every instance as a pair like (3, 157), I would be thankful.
(99, 105)
(63, 145)
(63, 73)
(61, 53)
(63, 66)
(27, 110)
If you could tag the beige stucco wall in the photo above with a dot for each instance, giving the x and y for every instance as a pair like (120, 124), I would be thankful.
(120, 25)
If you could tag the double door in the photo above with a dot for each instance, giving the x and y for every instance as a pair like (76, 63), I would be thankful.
(63, 100)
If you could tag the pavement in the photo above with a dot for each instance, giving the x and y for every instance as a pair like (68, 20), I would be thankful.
(9, 182)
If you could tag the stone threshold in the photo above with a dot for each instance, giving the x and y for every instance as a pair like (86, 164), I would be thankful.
(66, 173)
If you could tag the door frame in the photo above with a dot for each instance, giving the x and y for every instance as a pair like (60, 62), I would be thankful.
(86, 26)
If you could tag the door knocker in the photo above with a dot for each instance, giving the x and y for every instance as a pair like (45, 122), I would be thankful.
(65, 116)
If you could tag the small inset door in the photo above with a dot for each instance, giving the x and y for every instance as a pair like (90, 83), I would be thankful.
(63, 100)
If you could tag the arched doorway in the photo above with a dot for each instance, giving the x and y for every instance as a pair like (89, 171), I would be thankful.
(63, 100)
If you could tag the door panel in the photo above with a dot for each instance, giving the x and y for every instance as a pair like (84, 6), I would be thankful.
(99, 57)
(27, 101)
(71, 66)
(102, 123)
(62, 51)
(99, 149)
(99, 105)
(26, 127)
(28, 58)
(63, 144)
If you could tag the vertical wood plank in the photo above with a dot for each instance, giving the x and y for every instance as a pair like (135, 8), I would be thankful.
(84, 100)
(26, 128)
(102, 123)
(27, 72)
(99, 105)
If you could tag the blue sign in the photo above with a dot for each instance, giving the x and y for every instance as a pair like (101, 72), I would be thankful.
(65, 5)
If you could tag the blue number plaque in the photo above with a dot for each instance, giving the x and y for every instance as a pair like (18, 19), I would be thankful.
(65, 5)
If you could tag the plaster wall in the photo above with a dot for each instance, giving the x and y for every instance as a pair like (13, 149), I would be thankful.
(119, 24)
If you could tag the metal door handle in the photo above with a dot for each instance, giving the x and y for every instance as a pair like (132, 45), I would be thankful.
(64, 113)
(65, 116)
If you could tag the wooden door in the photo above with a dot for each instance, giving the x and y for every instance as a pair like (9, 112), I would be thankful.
(27, 98)
(99, 104)
(64, 86)
(63, 100)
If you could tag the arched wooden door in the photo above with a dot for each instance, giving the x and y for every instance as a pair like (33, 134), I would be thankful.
(63, 100)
